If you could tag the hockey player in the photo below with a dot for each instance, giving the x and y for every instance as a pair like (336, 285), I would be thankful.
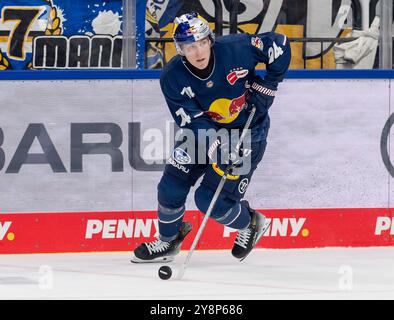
(211, 84)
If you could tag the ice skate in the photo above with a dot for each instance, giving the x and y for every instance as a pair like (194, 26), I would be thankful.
(248, 238)
(161, 251)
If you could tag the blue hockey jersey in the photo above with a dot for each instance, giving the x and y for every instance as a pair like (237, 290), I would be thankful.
(219, 100)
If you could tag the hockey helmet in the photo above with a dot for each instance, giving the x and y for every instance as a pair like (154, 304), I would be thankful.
(190, 27)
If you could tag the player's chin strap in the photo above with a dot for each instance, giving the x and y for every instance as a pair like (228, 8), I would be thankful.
(215, 196)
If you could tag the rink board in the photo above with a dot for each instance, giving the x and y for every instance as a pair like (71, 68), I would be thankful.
(122, 231)
(80, 150)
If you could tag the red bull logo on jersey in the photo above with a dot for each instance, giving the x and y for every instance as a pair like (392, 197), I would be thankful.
(236, 74)
(225, 110)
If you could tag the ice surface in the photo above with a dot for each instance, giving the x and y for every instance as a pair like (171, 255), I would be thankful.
(329, 273)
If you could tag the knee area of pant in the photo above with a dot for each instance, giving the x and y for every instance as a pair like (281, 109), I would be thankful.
(203, 197)
(172, 192)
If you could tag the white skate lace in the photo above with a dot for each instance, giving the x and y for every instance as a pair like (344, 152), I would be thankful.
(243, 237)
(157, 246)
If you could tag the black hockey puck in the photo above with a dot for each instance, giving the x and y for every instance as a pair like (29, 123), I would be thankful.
(165, 272)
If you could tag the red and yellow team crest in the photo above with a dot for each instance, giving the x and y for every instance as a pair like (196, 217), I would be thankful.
(225, 110)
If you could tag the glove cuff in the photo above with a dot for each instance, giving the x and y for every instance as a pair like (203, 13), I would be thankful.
(263, 90)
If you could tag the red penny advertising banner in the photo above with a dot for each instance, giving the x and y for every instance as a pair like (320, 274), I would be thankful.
(123, 231)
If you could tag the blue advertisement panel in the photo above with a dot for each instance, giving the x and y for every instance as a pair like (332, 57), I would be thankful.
(60, 34)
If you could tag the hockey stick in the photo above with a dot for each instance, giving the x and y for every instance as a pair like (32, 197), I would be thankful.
(214, 198)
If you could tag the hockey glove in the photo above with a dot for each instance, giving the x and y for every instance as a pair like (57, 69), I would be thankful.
(261, 95)
(223, 159)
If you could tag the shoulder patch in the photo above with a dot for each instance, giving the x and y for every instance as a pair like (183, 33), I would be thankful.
(256, 42)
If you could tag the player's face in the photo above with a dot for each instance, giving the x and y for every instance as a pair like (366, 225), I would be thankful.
(198, 53)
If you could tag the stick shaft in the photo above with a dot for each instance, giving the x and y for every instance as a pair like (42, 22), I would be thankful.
(245, 130)
(202, 226)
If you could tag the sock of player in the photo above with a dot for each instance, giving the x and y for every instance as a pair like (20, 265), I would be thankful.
(170, 221)
(238, 217)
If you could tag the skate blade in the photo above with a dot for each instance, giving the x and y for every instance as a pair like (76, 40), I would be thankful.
(266, 224)
(157, 260)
